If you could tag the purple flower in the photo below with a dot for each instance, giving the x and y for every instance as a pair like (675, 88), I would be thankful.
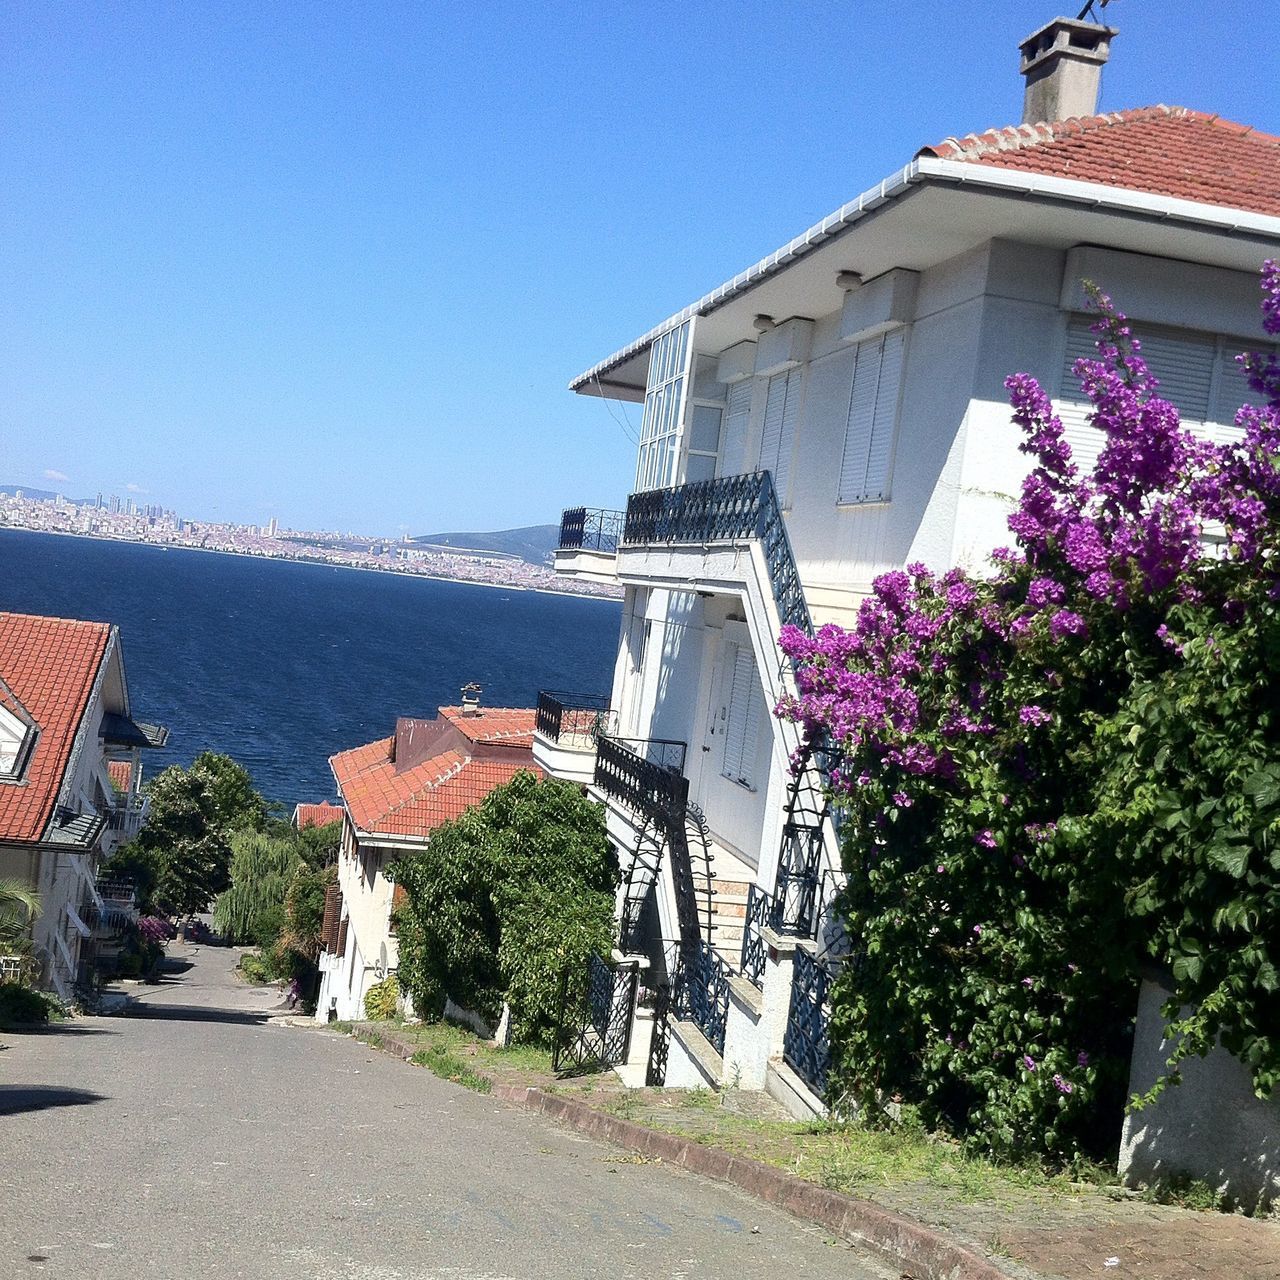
(1044, 591)
(977, 928)
(1063, 1086)
(1082, 1059)
(986, 838)
(1034, 715)
(1067, 623)
(1028, 982)
(902, 800)
(1029, 1062)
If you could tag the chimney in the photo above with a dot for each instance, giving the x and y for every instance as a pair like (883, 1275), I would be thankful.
(471, 699)
(1062, 64)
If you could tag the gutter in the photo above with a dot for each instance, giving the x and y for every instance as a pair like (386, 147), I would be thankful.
(926, 169)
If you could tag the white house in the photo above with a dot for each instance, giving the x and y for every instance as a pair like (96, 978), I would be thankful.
(395, 793)
(834, 411)
(65, 726)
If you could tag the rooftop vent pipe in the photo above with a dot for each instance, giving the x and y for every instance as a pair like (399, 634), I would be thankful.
(1062, 65)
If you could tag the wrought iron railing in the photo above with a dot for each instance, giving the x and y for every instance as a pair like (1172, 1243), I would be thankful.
(726, 509)
(644, 774)
(754, 951)
(702, 992)
(115, 889)
(579, 719)
(593, 1021)
(590, 529)
(805, 1045)
(799, 872)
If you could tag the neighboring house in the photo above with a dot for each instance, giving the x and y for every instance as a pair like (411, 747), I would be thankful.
(316, 815)
(395, 793)
(835, 411)
(69, 771)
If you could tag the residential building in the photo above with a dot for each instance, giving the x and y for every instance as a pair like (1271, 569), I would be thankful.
(316, 815)
(395, 793)
(70, 766)
(835, 411)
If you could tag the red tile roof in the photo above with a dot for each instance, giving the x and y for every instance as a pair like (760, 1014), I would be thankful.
(1166, 151)
(494, 724)
(50, 665)
(121, 774)
(417, 800)
(316, 815)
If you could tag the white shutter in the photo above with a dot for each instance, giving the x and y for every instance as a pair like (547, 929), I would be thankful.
(775, 407)
(1085, 439)
(786, 445)
(1232, 391)
(737, 422)
(741, 720)
(873, 414)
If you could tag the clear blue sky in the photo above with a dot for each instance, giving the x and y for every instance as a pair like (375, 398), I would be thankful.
(336, 262)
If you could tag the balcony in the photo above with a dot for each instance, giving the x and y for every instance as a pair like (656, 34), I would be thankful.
(567, 727)
(728, 509)
(588, 546)
(127, 814)
(645, 776)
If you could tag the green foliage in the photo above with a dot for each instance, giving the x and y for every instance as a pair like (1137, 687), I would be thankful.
(22, 1007)
(253, 908)
(19, 906)
(380, 999)
(181, 859)
(502, 899)
(304, 909)
(318, 846)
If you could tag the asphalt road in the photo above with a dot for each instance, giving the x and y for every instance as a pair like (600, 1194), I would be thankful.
(204, 1140)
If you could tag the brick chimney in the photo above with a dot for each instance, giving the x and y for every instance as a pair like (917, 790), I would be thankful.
(1062, 64)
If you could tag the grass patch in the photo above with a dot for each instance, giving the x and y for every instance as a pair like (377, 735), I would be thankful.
(449, 1066)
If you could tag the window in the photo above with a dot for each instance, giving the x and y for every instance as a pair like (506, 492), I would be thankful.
(704, 441)
(741, 725)
(873, 416)
(17, 736)
(663, 403)
(1197, 372)
(781, 410)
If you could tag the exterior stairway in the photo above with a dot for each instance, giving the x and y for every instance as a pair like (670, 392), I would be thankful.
(730, 881)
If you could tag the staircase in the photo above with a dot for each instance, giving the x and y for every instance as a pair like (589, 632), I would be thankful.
(730, 880)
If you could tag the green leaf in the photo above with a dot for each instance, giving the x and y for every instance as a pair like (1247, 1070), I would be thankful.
(1231, 858)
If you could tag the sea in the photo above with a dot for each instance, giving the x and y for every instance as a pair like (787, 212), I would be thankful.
(281, 664)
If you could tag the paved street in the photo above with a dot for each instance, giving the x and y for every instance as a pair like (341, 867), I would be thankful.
(203, 1140)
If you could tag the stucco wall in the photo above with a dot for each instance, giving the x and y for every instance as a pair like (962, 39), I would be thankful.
(1211, 1127)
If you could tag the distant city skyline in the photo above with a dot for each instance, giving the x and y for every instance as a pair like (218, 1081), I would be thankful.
(325, 266)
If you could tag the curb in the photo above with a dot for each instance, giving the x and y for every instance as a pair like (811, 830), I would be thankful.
(924, 1254)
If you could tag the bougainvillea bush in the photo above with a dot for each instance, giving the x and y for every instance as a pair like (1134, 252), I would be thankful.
(1064, 773)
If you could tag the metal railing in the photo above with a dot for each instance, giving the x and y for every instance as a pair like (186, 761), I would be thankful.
(590, 529)
(702, 992)
(757, 919)
(574, 718)
(726, 509)
(115, 889)
(805, 1045)
(795, 906)
(644, 774)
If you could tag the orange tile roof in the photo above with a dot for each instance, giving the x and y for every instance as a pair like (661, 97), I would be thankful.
(494, 724)
(121, 774)
(1166, 151)
(50, 665)
(416, 801)
(316, 815)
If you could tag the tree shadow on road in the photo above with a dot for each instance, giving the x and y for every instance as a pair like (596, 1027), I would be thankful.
(16, 1099)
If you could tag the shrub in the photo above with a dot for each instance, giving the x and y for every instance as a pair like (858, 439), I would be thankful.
(22, 1007)
(1053, 776)
(381, 999)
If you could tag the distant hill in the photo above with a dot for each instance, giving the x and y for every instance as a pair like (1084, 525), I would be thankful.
(42, 495)
(534, 544)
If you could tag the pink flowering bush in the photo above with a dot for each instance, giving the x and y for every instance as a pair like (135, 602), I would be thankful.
(1064, 772)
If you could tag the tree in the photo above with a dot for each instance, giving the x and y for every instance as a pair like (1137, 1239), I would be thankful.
(502, 899)
(181, 859)
(19, 906)
(252, 909)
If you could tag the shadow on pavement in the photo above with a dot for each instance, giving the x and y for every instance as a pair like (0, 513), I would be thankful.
(76, 1028)
(196, 1013)
(15, 1099)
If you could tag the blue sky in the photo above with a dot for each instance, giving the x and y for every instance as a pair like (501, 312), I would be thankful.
(337, 262)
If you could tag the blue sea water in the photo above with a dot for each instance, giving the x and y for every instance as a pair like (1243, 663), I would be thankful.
(281, 664)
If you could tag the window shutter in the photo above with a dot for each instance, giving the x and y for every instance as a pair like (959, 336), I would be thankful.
(1233, 390)
(873, 415)
(786, 446)
(1085, 439)
(741, 727)
(737, 422)
(342, 937)
(329, 925)
(775, 406)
